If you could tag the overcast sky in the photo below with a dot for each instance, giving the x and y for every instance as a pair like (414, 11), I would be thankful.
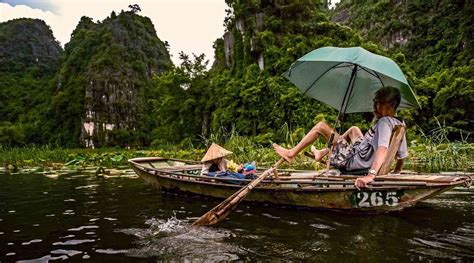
(191, 26)
(187, 25)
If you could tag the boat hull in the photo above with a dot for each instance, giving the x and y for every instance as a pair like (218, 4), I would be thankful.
(330, 193)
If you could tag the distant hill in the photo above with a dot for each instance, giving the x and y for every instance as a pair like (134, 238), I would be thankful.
(29, 58)
(27, 43)
(94, 93)
(102, 86)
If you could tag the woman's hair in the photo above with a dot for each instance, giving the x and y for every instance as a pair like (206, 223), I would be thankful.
(388, 95)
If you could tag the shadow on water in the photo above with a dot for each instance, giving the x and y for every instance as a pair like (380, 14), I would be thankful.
(438, 229)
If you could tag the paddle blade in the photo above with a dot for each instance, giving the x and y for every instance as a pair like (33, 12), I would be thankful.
(219, 212)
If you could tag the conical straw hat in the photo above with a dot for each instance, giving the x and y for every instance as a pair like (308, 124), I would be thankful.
(214, 152)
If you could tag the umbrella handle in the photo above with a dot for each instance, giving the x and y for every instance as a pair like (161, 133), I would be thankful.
(330, 146)
(331, 139)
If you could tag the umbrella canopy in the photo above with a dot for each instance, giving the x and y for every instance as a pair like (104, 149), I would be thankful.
(347, 78)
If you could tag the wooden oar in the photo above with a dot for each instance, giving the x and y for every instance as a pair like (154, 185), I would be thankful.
(219, 212)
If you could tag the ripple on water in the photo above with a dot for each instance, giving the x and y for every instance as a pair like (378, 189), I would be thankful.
(270, 216)
(316, 245)
(46, 258)
(31, 242)
(293, 223)
(322, 226)
(280, 250)
(87, 186)
(176, 239)
(110, 251)
(69, 253)
(83, 227)
(74, 242)
(460, 243)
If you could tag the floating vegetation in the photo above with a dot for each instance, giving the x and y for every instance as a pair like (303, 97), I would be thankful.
(13, 158)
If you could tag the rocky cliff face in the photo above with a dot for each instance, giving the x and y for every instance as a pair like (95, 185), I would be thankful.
(106, 73)
(249, 23)
(441, 31)
(29, 58)
(28, 42)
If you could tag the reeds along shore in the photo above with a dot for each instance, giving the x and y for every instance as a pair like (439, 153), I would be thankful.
(427, 156)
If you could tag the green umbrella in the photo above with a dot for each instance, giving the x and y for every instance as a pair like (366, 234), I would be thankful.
(347, 78)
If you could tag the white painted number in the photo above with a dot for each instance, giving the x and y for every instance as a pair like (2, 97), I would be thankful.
(376, 199)
(392, 199)
(364, 196)
(366, 199)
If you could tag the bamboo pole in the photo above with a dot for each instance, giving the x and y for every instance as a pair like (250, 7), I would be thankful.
(219, 212)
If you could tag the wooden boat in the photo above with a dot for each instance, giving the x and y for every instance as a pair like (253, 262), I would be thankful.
(301, 188)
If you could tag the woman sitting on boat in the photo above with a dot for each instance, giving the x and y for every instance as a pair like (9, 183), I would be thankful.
(214, 160)
(353, 150)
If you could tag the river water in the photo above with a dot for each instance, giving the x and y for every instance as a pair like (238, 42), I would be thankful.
(82, 217)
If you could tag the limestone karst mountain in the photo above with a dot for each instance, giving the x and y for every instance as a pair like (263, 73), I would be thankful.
(102, 85)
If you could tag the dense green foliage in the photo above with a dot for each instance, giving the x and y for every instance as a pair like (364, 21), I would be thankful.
(258, 102)
(29, 58)
(118, 73)
(437, 40)
(105, 80)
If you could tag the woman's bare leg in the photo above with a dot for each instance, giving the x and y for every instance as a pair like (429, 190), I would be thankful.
(352, 134)
(320, 128)
(319, 154)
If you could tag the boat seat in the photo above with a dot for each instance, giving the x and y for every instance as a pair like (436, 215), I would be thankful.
(395, 141)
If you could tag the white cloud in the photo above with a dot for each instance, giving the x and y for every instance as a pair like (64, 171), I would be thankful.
(187, 25)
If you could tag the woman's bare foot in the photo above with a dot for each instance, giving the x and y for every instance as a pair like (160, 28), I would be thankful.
(319, 154)
(284, 153)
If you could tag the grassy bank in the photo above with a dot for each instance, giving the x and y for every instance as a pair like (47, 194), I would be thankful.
(46, 156)
(424, 156)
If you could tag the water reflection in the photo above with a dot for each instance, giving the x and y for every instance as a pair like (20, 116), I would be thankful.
(456, 245)
(80, 216)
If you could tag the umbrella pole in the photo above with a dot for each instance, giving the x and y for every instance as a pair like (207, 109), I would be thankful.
(345, 101)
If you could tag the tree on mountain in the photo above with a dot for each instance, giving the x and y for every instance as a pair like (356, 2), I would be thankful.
(135, 8)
